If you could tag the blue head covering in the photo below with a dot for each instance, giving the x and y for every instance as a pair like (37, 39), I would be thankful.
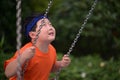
(33, 23)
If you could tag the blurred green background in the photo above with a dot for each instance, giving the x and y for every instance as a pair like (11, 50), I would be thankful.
(96, 54)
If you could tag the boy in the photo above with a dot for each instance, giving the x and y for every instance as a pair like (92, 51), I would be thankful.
(41, 57)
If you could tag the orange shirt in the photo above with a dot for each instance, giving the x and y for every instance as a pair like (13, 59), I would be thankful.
(39, 67)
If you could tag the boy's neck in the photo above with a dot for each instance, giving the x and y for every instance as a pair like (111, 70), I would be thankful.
(42, 47)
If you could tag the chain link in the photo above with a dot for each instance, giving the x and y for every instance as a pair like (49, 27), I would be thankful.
(18, 39)
(43, 22)
(82, 27)
(20, 73)
(40, 27)
(18, 7)
(78, 35)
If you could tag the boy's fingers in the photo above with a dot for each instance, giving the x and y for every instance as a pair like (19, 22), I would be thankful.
(33, 47)
(66, 55)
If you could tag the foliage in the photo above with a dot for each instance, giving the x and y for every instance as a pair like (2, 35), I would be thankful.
(67, 17)
(7, 23)
(102, 27)
(2, 43)
(3, 57)
(101, 35)
(91, 67)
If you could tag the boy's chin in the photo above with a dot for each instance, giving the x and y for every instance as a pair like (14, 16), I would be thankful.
(52, 39)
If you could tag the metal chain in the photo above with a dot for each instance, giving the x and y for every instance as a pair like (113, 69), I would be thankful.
(47, 10)
(42, 24)
(78, 35)
(82, 27)
(18, 39)
(20, 74)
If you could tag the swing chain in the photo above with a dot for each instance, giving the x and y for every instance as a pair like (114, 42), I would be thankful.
(20, 73)
(43, 22)
(47, 10)
(78, 35)
(81, 28)
(18, 39)
(37, 35)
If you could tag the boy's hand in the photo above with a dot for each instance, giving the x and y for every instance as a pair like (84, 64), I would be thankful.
(28, 53)
(65, 61)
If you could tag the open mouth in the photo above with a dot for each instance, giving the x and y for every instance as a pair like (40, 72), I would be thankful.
(51, 33)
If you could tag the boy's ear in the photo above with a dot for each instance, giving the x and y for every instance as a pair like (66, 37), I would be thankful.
(32, 34)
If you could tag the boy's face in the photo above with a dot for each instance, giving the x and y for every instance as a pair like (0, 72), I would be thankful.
(47, 32)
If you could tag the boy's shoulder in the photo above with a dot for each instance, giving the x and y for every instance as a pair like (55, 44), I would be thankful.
(29, 44)
(52, 47)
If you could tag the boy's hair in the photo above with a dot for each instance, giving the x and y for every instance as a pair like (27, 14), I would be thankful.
(30, 25)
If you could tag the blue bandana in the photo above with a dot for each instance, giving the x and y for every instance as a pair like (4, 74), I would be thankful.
(32, 24)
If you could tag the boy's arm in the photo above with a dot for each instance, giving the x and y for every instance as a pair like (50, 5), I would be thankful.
(11, 68)
(56, 66)
(61, 64)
